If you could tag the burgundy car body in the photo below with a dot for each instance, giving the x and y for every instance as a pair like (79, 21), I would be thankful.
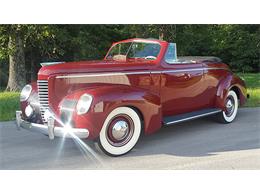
(154, 88)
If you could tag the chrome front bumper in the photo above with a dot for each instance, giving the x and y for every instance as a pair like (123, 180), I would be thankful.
(50, 129)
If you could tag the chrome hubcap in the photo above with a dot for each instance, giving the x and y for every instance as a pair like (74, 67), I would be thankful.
(120, 130)
(230, 106)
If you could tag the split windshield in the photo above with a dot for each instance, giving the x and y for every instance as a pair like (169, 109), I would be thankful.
(134, 50)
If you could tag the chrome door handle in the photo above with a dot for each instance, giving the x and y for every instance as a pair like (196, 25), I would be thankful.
(187, 76)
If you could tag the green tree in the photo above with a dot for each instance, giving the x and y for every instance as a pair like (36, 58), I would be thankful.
(25, 45)
(237, 45)
(15, 50)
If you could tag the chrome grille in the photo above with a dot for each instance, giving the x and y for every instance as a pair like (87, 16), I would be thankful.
(43, 97)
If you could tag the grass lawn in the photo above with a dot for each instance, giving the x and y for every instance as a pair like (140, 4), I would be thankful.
(253, 88)
(9, 101)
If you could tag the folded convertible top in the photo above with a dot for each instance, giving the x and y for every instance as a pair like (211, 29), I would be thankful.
(199, 59)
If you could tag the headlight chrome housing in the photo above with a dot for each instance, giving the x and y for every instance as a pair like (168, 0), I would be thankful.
(83, 104)
(25, 93)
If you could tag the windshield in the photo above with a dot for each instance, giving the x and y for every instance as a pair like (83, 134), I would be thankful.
(133, 50)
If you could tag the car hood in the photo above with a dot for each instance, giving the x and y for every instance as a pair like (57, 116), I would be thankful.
(94, 66)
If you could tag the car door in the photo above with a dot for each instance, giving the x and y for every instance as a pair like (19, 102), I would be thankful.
(182, 87)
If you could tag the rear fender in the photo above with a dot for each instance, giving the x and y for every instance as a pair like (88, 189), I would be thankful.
(230, 82)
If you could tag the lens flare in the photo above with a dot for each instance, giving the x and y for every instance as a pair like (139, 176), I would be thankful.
(87, 151)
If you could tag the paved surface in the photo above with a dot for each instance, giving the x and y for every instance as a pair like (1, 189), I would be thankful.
(198, 144)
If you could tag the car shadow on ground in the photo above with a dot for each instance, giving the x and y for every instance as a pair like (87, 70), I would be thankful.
(201, 137)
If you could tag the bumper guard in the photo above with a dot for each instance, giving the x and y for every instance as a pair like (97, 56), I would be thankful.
(50, 129)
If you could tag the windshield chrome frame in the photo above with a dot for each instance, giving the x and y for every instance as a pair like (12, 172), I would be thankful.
(132, 42)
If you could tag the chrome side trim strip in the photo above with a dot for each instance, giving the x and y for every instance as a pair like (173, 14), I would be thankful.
(216, 69)
(134, 73)
(101, 74)
(183, 70)
(192, 69)
(193, 117)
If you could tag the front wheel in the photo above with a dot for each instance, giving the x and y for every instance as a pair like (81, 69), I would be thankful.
(120, 132)
(231, 108)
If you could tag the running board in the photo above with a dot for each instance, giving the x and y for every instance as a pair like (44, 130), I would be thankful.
(189, 116)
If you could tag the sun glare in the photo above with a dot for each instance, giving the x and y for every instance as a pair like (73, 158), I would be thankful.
(86, 150)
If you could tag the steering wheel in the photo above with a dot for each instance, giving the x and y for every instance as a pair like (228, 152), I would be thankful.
(150, 58)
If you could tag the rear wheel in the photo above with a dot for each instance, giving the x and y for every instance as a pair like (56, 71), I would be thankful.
(231, 108)
(120, 132)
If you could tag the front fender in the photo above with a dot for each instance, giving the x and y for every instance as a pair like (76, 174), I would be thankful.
(107, 98)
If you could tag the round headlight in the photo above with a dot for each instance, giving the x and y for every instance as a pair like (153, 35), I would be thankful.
(83, 104)
(25, 93)
(28, 111)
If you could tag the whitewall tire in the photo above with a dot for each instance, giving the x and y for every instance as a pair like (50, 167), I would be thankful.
(231, 108)
(120, 131)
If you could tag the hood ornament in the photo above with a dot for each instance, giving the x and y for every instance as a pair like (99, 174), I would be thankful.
(50, 63)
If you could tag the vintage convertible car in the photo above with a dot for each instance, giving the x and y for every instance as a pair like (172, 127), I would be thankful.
(140, 86)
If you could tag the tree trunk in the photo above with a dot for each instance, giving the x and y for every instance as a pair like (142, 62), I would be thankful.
(161, 35)
(34, 69)
(161, 31)
(17, 77)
